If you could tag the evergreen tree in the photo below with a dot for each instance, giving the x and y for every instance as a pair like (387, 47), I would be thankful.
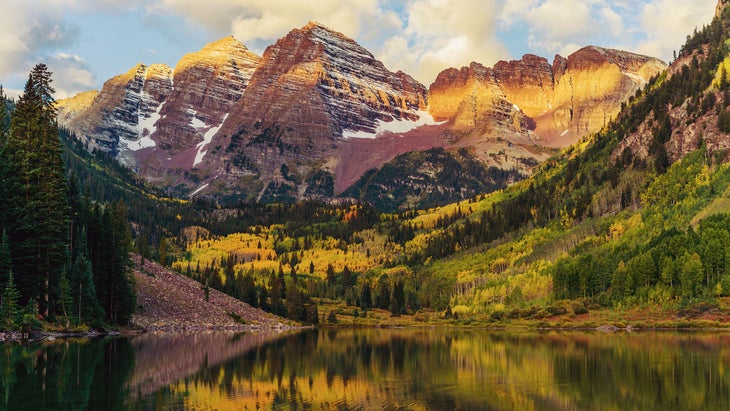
(295, 309)
(83, 291)
(9, 309)
(366, 299)
(65, 300)
(3, 115)
(34, 200)
(162, 251)
(121, 297)
(398, 301)
(249, 292)
(264, 298)
(382, 298)
(6, 264)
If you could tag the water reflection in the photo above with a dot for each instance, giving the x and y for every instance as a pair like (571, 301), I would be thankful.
(432, 369)
(67, 374)
(373, 369)
(163, 358)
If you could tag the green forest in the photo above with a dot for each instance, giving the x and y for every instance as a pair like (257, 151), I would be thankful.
(603, 226)
(64, 258)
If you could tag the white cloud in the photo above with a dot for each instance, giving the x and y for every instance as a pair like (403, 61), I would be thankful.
(38, 31)
(512, 12)
(420, 37)
(70, 75)
(258, 23)
(613, 20)
(28, 31)
(653, 27)
(449, 33)
(666, 24)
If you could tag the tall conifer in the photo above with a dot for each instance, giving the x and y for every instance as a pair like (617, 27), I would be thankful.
(83, 291)
(6, 264)
(35, 205)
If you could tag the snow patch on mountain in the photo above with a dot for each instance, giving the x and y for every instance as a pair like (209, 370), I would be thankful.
(207, 138)
(145, 127)
(199, 189)
(396, 126)
(195, 121)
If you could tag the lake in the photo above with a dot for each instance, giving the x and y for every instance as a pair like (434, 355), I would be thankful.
(397, 369)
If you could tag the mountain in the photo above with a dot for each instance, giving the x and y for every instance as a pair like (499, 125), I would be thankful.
(629, 228)
(313, 90)
(512, 115)
(317, 111)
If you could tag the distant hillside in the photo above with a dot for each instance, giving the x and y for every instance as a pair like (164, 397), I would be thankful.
(169, 301)
(425, 179)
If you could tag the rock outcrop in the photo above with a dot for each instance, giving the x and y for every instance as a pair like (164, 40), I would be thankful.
(471, 99)
(562, 102)
(207, 84)
(121, 117)
(327, 85)
(313, 89)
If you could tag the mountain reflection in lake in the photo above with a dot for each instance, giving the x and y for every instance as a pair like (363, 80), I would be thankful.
(372, 369)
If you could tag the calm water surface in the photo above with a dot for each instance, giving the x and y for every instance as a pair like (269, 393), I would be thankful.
(399, 369)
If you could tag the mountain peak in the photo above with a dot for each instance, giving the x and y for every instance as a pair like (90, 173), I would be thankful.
(228, 42)
(315, 25)
(325, 34)
(219, 52)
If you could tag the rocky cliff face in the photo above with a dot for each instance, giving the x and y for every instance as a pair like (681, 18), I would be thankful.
(317, 110)
(160, 123)
(121, 117)
(313, 89)
(472, 99)
(327, 84)
(561, 102)
(207, 84)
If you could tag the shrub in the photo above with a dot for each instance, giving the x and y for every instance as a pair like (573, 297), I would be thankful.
(496, 315)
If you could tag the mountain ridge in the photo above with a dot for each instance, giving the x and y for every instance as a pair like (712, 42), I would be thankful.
(225, 121)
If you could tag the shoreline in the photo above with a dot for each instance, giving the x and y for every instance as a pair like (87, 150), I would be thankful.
(34, 336)
(17, 336)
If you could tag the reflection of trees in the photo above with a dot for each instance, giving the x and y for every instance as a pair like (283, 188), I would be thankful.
(648, 371)
(372, 369)
(69, 374)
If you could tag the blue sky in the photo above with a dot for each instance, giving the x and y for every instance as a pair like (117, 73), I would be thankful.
(85, 42)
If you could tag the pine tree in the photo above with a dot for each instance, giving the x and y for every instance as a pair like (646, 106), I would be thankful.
(3, 115)
(162, 251)
(6, 264)
(9, 309)
(65, 300)
(34, 202)
(122, 299)
(382, 298)
(86, 308)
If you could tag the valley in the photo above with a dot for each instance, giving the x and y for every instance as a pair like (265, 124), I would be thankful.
(328, 190)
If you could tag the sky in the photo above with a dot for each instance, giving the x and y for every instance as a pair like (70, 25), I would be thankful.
(86, 42)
